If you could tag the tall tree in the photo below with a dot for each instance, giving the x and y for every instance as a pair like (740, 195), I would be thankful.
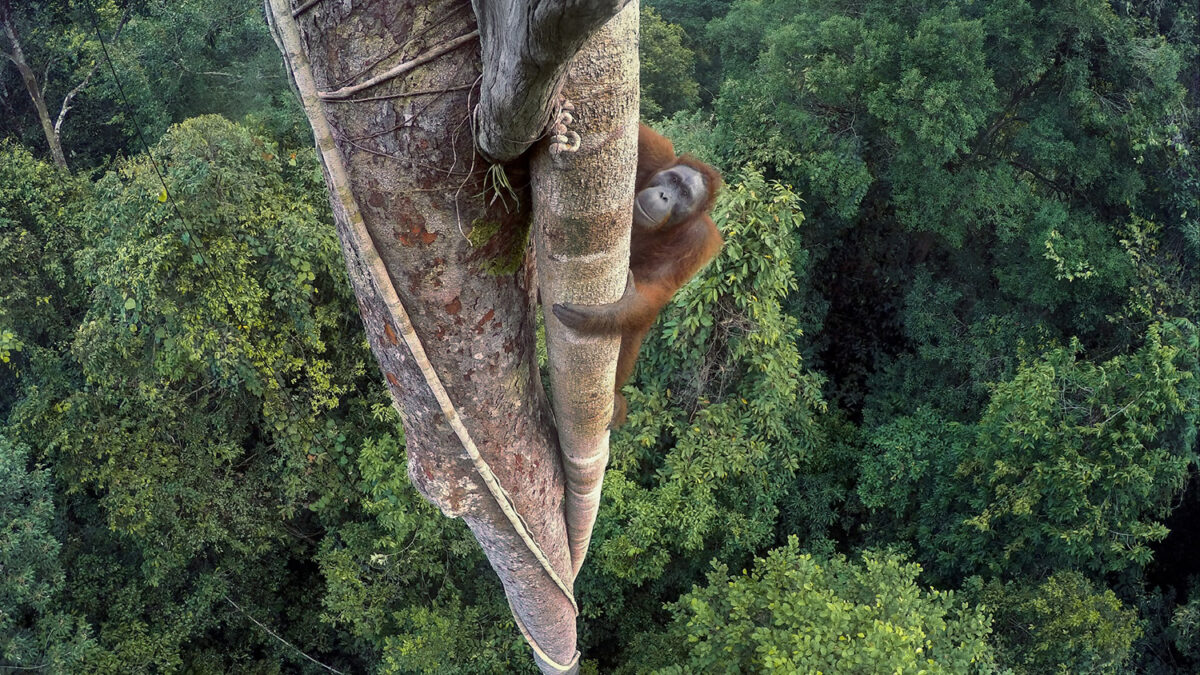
(82, 75)
(434, 237)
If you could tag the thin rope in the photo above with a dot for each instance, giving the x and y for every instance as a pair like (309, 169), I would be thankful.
(276, 636)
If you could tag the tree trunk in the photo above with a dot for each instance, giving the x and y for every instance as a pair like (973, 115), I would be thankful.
(17, 56)
(583, 207)
(389, 88)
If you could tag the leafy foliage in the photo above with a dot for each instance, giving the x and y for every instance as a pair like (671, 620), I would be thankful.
(34, 632)
(183, 411)
(975, 349)
(173, 60)
(667, 75)
(1010, 314)
(1065, 467)
(1064, 625)
(798, 614)
(37, 236)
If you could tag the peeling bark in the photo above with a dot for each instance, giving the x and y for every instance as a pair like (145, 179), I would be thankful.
(583, 207)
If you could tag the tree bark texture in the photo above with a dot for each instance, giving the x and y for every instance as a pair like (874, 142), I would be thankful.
(406, 189)
(527, 45)
(17, 56)
(583, 207)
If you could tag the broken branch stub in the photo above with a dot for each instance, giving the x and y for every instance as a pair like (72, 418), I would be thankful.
(526, 47)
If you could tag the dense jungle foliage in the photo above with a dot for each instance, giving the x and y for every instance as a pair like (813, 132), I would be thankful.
(933, 409)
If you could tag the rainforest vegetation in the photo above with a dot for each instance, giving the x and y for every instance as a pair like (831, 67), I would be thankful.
(934, 407)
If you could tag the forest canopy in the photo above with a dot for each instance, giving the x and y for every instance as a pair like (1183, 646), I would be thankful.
(933, 407)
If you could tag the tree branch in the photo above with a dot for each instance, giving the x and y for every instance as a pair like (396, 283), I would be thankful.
(527, 46)
(66, 104)
(403, 94)
(346, 92)
(17, 56)
(304, 8)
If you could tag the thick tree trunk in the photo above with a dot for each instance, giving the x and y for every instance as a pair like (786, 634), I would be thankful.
(17, 56)
(389, 87)
(583, 207)
(406, 188)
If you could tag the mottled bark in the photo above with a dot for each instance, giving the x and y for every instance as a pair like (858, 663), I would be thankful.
(583, 205)
(406, 188)
(527, 45)
(389, 88)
